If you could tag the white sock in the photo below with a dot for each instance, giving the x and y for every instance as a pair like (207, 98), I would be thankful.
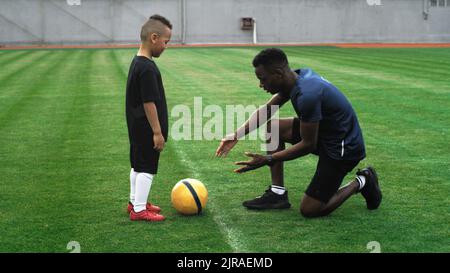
(361, 180)
(143, 185)
(278, 190)
(132, 185)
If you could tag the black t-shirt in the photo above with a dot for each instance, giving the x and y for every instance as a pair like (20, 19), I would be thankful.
(144, 84)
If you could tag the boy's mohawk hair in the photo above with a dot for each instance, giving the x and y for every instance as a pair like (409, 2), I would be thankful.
(161, 19)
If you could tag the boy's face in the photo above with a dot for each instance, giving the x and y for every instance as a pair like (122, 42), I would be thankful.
(159, 42)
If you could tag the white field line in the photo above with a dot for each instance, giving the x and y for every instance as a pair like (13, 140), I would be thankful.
(233, 236)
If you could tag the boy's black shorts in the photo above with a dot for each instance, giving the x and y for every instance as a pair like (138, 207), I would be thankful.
(143, 158)
(329, 172)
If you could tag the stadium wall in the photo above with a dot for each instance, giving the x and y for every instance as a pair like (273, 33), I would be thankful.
(206, 21)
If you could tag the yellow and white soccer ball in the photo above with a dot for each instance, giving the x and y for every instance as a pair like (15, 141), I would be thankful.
(189, 196)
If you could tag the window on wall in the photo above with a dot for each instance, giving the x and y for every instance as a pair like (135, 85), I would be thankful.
(439, 3)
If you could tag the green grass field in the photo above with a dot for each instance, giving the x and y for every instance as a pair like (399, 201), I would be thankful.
(64, 165)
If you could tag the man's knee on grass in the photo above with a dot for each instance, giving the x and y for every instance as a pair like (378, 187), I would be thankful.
(311, 207)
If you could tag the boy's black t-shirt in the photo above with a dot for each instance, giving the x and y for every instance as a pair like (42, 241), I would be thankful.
(144, 84)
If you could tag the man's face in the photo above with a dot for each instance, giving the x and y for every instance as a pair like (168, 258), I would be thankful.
(270, 81)
(160, 41)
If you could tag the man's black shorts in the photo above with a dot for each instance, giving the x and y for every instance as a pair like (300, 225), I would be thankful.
(329, 172)
(143, 158)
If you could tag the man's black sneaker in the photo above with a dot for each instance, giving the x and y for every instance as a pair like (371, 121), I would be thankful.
(269, 200)
(371, 190)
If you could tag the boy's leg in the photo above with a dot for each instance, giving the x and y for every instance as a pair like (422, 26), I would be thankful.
(143, 186)
(140, 211)
(132, 185)
(145, 164)
(131, 201)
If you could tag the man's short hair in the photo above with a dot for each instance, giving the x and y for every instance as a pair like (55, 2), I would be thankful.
(271, 58)
(154, 24)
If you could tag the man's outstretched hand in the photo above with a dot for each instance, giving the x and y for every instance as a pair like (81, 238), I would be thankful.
(256, 162)
(226, 145)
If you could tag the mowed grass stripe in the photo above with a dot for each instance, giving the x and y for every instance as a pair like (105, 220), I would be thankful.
(92, 177)
(72, 153)
(388, 58)
(11, 105)
(14, 106)
(17, 68)
(213, 78)
(37, 166)
(385, 67)
(8, 57)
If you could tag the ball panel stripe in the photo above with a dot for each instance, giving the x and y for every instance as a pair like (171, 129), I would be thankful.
(194, 194)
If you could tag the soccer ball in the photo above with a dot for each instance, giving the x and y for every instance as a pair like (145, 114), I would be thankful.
(189, 196)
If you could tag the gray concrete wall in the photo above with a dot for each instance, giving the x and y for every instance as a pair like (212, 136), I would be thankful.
(214, 21)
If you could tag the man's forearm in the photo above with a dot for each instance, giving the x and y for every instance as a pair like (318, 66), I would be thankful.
(259, 117)
(295, 151)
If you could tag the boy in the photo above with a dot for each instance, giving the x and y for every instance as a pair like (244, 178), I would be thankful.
(147, 118)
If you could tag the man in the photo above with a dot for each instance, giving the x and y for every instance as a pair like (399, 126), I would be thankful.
(326, 126)
(147, 117)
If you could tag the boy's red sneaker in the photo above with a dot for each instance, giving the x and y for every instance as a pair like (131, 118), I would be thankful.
(149, 207)
(146, 215)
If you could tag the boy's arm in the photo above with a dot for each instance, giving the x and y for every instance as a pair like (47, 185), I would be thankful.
(152, 117)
